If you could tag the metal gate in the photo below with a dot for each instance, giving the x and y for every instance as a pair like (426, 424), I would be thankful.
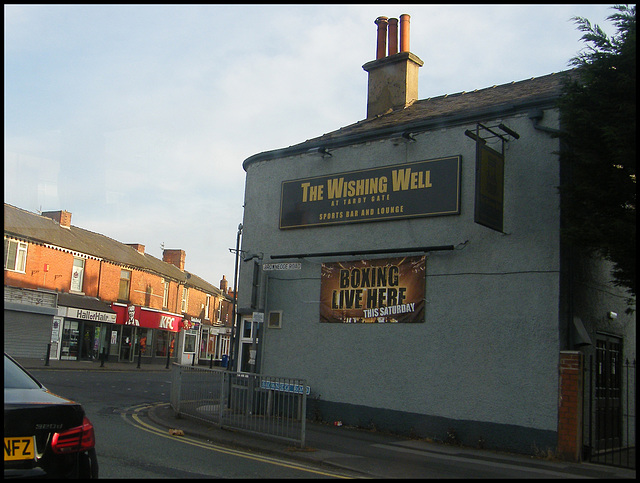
(609, 406)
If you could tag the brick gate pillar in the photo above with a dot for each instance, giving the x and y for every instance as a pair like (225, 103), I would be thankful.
(570, 406)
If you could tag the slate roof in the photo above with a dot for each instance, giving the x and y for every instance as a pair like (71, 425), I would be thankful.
(39, 229)
(438, 111)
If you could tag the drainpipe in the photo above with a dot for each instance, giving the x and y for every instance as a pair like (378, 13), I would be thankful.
(536, 116)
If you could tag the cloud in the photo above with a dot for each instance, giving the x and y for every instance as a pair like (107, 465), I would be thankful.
(137, 118)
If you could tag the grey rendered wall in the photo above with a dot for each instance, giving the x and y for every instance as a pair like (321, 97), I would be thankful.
(488, 349)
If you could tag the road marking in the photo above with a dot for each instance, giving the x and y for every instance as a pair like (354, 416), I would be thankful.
(138, 423)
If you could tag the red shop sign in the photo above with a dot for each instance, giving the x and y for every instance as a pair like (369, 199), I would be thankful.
(136, 316)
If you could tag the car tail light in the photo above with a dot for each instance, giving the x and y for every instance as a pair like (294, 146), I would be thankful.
(76, 439)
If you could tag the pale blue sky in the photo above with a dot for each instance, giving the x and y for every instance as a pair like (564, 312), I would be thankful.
(137, 119)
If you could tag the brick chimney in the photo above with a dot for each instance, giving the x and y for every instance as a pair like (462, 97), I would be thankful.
(175, 257)
(224, 285)
(61, 216)
(393, 78)
(137, 246)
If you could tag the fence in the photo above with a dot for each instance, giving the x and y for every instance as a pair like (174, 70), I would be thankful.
(271, 406)
(609, 405)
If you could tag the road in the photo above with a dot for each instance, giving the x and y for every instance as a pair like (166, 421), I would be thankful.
(129, 445)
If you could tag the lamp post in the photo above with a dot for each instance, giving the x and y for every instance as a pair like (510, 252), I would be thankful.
(235, 299)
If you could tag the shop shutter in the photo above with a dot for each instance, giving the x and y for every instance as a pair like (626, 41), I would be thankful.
(26, 335)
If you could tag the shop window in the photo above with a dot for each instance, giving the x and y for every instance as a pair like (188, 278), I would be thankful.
(15, 255)
(125, 283)
(203, 344)
(161, 344)
(225, 342)
(146, 341)
(69, 344)
(190, 341)
(77, 275)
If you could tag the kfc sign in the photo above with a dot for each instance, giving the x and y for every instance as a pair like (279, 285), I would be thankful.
(146, 318)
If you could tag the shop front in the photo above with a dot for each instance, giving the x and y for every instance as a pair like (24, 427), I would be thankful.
(80, 329)
(214, 345)
(144, 333)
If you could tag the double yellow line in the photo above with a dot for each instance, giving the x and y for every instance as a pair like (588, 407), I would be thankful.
(140, 424)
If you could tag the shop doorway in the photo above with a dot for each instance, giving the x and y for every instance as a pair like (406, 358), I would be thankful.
(128, 342)
(90, 342)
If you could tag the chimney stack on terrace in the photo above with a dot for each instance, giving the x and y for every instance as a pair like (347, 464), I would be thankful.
(393, 78)
(138, 247)
(61, 216)
(175, 257)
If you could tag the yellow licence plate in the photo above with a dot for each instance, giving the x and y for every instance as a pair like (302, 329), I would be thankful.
(19, 448)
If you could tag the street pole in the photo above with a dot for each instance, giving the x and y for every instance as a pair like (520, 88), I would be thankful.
(235, 299)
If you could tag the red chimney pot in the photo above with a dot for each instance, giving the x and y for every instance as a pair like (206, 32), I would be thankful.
(393, 36)
(404, 32)
(381, 47)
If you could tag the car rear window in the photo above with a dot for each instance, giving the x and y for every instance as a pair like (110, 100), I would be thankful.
(16, 378)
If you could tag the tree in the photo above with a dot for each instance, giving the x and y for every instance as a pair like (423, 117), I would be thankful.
(598, 119)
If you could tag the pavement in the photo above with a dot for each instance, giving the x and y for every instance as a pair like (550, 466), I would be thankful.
(358, 451)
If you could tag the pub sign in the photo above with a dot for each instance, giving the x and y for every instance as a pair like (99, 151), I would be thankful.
(417, 189)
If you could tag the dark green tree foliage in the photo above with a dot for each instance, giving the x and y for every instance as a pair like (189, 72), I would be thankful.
(598, 115)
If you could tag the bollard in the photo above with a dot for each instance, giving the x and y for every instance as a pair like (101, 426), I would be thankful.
(211, 361)
(193, 359)
(102, 356)
(139, 355)
(46, 361)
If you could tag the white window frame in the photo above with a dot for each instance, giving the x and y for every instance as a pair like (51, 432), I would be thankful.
(19, 250)
(185, 299)
(79, 269)
(165, 296)
(207, 306)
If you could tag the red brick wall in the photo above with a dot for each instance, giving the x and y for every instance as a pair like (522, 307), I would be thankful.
(570, 406)
(51, 269)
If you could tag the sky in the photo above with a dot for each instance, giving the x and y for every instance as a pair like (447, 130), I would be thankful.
(137, 118)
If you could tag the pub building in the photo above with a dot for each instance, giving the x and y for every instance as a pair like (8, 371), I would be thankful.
(410, 266)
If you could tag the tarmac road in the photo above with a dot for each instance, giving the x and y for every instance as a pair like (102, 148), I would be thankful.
(340, 451)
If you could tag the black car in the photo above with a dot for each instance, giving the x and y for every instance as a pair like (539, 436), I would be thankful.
(45, 435)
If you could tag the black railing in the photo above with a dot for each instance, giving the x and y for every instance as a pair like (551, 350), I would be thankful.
(609, 408)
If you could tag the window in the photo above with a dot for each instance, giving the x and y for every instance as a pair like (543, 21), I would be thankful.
(185, 299)
(275, 319)
(77, 275)
(125, 283)
(165, 296)
(15, 255)
(206, 307)
(190, 341)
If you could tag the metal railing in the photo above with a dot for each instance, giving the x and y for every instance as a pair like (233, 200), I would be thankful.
(271, 406)
(609, 403)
